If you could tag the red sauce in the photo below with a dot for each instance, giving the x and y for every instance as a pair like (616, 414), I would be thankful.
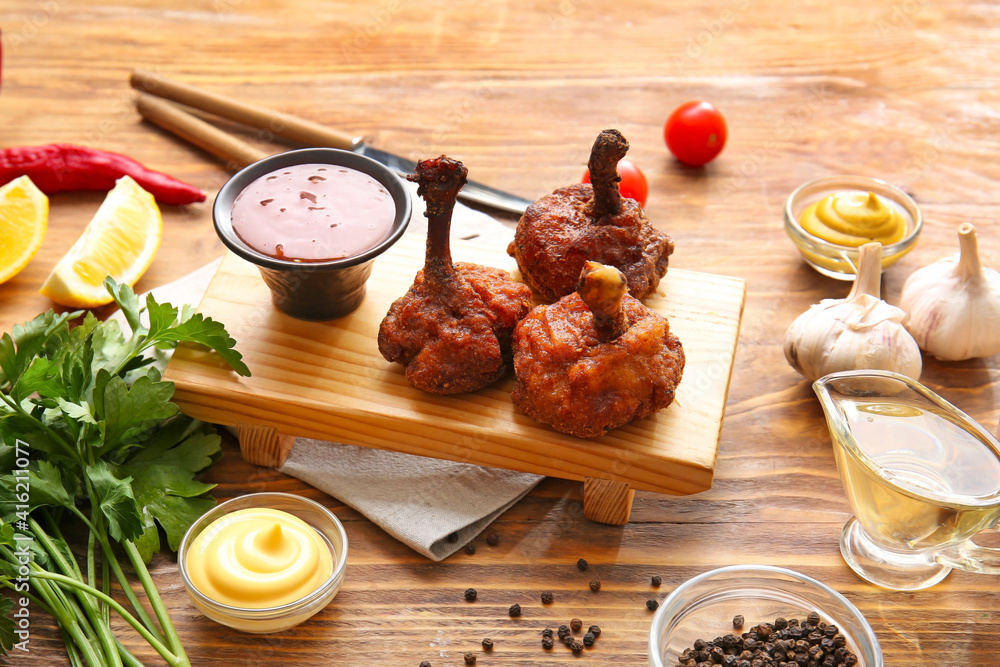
(313, 213)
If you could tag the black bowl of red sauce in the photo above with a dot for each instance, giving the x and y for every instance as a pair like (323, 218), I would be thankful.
(313, 221)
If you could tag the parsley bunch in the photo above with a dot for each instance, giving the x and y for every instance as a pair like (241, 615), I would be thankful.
(106, 450)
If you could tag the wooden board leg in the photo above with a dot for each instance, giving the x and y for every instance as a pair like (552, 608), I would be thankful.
(263, 445)
(605, 501)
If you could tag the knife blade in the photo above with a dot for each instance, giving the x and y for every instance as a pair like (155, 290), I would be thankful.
(472, 191)
(285, 125)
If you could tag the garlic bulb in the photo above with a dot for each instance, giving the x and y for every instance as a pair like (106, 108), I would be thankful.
(953, 305)
(861, 331)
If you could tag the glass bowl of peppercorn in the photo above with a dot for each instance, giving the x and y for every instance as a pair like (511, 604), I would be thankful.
(743, 614)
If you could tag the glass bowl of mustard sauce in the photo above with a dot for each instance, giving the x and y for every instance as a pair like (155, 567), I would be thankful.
(704, 608)
(829, 219)
(313, 221)
(263, 562)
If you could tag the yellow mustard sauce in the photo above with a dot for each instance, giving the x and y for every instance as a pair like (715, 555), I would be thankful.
(853, 219)
(258, 558)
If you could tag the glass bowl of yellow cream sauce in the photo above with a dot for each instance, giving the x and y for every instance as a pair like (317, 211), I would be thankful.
(263, 562)
(829, 219)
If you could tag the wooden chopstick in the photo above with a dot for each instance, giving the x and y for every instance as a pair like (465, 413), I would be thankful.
(281, 124)
(236, 153)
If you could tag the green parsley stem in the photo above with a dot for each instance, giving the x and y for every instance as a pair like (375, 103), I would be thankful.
(173, 660)
(173, 639)
(116, 568)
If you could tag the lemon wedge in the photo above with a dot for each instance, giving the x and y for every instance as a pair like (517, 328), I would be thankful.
(119, 242)
(24, 216)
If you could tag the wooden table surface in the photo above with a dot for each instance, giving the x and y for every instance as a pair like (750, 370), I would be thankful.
(906, 91)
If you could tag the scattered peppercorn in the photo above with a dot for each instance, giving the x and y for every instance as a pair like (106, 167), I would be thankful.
(588, 639)
(568, 640)
(595, 585)
(547, 643)
(563, 631)
(515, 610)
(487, 644)
(576, 624)
(656, 580)
(594, 630)
(652, 604)
(452, 537)
(547, 597)
(470, 658)
(576, 647)
(470, 594)
(547, 632)
(582, 565)
(470, 549)
(425, 664)
(492, 539)
(738, 621)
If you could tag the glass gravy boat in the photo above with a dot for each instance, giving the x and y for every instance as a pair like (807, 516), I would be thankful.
(922, 477)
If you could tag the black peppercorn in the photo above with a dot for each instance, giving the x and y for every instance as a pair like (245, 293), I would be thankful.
(470, 658)
(594, 630)
(576, 624)
(470, 549)
(470, 594)
(656, 580)
(738, 621)
(813, 618)
(547, 632)
(547, 597)
(652, 604)
(588, 639)
(595, 585)
(568, 640)
(546, 643)
(515, 610)
(488, 644)
(425, 664)
(452, 537)
(582, 565)
(563, 631)
(780, 623)
(492, 539)
(576, 647)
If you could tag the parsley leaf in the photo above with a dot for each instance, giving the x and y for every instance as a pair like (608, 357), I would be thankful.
(41, 376)
(196, 329)
(116, 501)
(6, 626)
(163, 481)
(127, 411)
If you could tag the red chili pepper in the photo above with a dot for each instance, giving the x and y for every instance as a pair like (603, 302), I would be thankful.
(60, 167)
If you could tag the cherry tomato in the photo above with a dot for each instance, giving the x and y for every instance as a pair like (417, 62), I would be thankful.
(695, 133)
(633, 183)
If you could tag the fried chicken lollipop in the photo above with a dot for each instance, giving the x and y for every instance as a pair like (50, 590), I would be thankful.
(596, 359)
(561, 231)
(452, 329)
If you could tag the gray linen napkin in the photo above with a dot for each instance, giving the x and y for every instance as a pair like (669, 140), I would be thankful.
(419, 501)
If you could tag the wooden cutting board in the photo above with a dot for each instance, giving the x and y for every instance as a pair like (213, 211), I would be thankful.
(327, 380)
